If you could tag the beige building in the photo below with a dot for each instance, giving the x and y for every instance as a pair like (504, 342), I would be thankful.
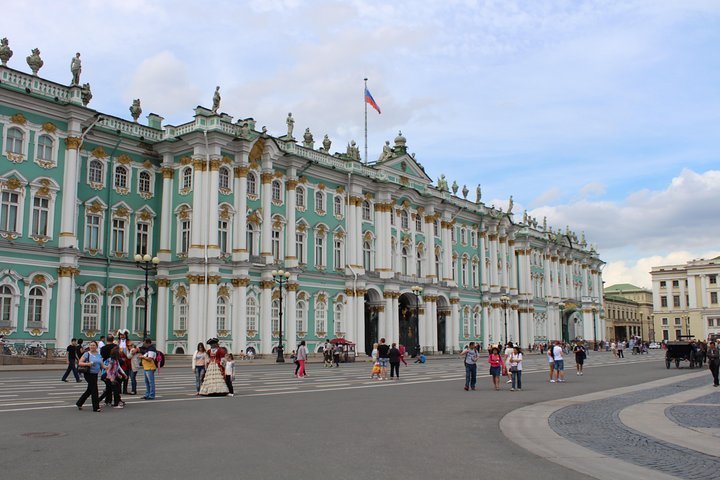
(628, 312)
(685, 299)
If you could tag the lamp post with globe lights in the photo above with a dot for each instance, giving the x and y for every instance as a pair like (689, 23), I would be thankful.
(561, 305)
(417, 291)
(281, 277)
(147, 264)
(505, 300)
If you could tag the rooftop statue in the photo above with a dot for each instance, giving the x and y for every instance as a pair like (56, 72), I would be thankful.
(75, 69)
(525, 217)
(442, 184)
(245, 130)
(5, 52)
(216, 100)
(386, 152)
(511, 204)
(308, 140)
(34, 61)
(326, 143)
(135, 109)
(353, 151)
(290, 125)
(455, 187)
(478, 194)
(545, 227)
(85, 94)
(465, 191)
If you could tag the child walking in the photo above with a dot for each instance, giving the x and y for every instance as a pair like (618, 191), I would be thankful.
(229, 373)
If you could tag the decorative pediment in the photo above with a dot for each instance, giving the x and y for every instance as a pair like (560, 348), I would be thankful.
(407, 168)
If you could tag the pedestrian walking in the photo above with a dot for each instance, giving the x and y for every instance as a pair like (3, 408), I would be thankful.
(383, 358)
(620, 348)
(230, 373)
(559, 363)
(506, 356)
(200, 362)
(147, 360)
(394, 359)
(134, 357)
(551, 362)
(470, 357)
(496, 366)
(580, 355)
(402, 354)
(105, 354)
(713, 359)
(113, 375)
(515, 362)
(72, 359)
(327, 354)
(91, 361)
(302, 354)
(336, 355)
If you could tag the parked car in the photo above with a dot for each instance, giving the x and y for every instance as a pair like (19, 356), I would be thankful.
(654, 345)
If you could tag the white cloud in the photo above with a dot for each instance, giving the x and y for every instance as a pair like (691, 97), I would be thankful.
(638, 272)
(593, 189)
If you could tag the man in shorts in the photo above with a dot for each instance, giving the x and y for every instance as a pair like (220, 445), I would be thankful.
(559, 363)
(383, 358)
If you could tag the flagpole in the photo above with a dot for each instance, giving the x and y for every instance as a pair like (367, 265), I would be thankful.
(365, 102)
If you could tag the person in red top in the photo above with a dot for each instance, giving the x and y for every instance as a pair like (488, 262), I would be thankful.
(496, 366)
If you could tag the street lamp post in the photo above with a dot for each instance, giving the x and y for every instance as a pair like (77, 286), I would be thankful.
(148, 264)
(562, 314)
(594, 312)
(281, 277)
(417, 290)
(505, 300)
(687, 325)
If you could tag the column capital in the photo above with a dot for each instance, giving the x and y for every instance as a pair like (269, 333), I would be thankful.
(73, 143)
(168, 172)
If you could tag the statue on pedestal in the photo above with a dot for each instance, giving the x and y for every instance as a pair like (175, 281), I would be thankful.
(442, 184)
(511, 204)
(85, 94)
(75, 69)
(5, 52)
(290, 125)
(326, 144)
(135, 110)
(353, 151)
(34, 61)
(216, 100)
(308, 140)
(387, 152)
(478, 194)
(245, 130)
(455, 187)
(465, 191)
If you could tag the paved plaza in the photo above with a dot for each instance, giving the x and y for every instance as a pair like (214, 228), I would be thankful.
(340, 423)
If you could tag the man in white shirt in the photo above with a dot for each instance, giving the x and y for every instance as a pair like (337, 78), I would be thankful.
(559, 363)
(508, 351)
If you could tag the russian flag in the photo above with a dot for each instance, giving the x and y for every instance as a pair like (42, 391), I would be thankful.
(371, 101)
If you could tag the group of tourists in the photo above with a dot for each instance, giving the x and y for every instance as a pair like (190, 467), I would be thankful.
(115, 361)
(384, 356)
(508, 363)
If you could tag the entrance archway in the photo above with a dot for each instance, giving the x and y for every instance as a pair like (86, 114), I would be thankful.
(373, 304)
(443, 313)
(408, 322)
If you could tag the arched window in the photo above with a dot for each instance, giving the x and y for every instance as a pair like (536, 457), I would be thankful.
(15, 139)
(404, 219)
(438, 265)
(45, 146)
(405, 261)
(140, 315)
(224, 178)
(187, 177)
(91, 305)
(338, 317)
(252, 314)
(221, 314)
(6, 305)
(95, 171)
(276, 191)
(366, 211)
(275, 317)
(121, 177)
(320, 318)
(319, 201)
(463, 236)
(182, 313)
(300, 197)
(144, 182)
(337, 205)
(116, 307)
(367, 255)
(35, 307)
(300, 309)
(436, 228)
(275, 236)
(251, 184)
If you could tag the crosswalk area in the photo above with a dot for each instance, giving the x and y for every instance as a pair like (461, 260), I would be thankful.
(43, 390)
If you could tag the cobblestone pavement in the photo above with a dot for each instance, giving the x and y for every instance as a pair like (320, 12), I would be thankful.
(712, 398)
(694, 416)
(595, 425)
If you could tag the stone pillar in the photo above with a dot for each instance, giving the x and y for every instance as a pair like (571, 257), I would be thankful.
(484, 283)
(166, 215)
(239, 317)
(502, 271)
(212, 208)
(429, 258)
(291, 256)
(290, 314)
(447, 251)
(265, 237)
(64, 327)
(485, 321)
(199, 226)
(355, 319)
(513, 272)
(494, 280)
(68, 220)
(357, 223)
(352, 234)
(194, 312)
(162, 313)
(266, 339)
(240, 248)
(385, 321)
(453, 329)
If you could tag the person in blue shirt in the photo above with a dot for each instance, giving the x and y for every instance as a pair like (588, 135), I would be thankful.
(93, 361)
(421, 358)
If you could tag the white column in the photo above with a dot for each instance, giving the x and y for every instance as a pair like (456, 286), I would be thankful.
(194, 333)
(385, 321)
(239, 317)
(290, 317)
(265, 237)
(485, 284)
(266, 340)
(494, 281)
(68, 220)
(291, 259)
(166, 214)
(447, 251)
(486, 324)
(198, 217)
(240, 249)
(357, 224)
(429, 258)
(212, 209)
(64, 316)
(357, 319)
(162, 314)
(395, 323)
(692, 291)
(502, 254)
(352, 235)
(452, 330)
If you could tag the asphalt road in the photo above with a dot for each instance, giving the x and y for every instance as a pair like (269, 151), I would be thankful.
(335, 424)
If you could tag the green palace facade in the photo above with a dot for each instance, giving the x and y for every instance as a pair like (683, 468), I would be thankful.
(222, 204)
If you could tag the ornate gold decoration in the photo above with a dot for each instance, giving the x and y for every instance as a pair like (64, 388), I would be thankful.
(99, 152)
(213, 279)
(454, 300)
(291, 184)
(181, 291)
(121, 212)
(185, 160)
(367, 236)
(49, 127)
(321, 297)
(250, 333)
(68, 271)
(340, 189)
(223, 291)
(38, 279)
(293, 287)
(13, 183)
(240, 282)
(241, 172)
(215, 165)
(184, 213)
(321, 230)
(321, 186)
(266, 177)
(72, 143)
(340, 235)
(18, 119)
(92, 288)
(198, 164)
(265, 284)
(226, 159)
(145, 215)
(277, 223)
(301, 227)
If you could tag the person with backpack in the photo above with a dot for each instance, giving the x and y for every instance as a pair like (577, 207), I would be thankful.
(470, 357)
(147, 360)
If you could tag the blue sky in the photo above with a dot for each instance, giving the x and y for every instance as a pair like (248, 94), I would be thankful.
(603, 115)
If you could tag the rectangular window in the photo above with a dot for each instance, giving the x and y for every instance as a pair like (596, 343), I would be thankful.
(666, 335)
(300, 247)
(9, 211)
(662, 283)
(143, 236)
(275, 244)
(677, 321)
(663, 301)
(713, 279)
(92, 232)
(41, 209)
(664, 321)
(319, 251)
(676, 283)
(713, 297)
(676, 301)
(678, 332)
(185, 236)
(118, 235)
(337, 255)
(711, 322)
(223, 238)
